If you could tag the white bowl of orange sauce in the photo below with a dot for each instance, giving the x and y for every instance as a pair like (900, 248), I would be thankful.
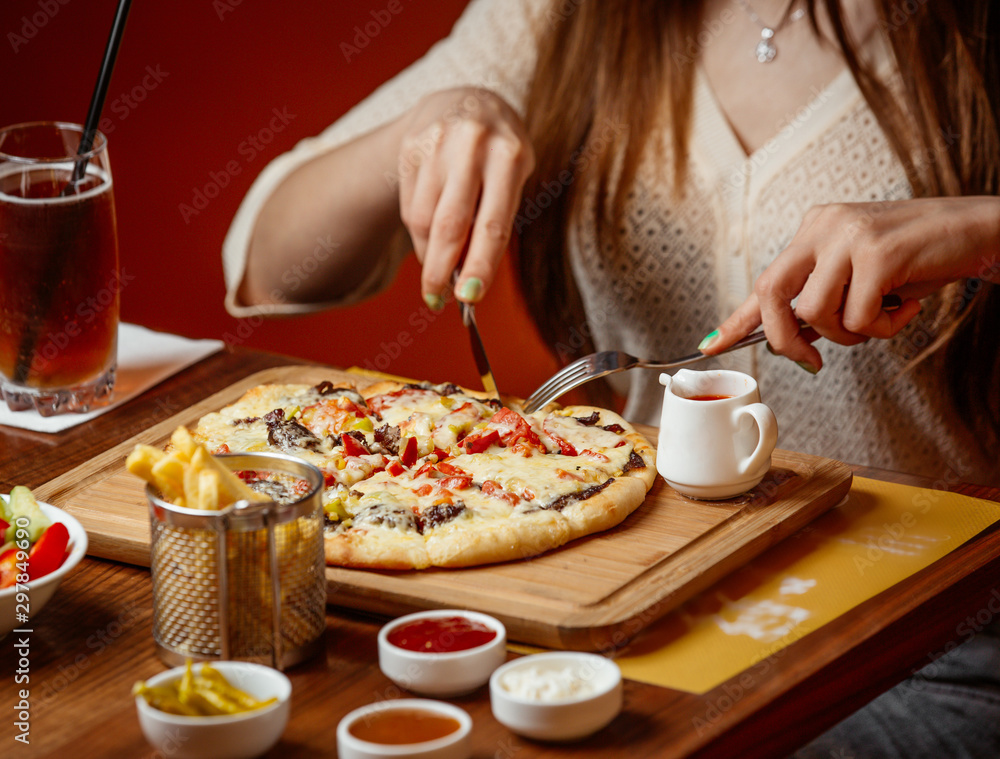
(442, 652)
(415, 728)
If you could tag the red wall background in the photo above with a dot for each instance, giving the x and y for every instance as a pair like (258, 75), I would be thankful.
(195, 81)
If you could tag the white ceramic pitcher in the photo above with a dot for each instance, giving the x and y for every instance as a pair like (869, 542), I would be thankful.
(716, 437)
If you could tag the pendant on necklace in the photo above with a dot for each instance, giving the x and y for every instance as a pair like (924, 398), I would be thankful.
(765, 50)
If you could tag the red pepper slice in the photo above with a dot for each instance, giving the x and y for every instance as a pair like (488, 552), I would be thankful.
(496, 490)
(352, 447)
(480, 440)
(410, 453)
(8, 568)
(395, 468)
(427, 470)
(455, 482)
(449, 469)
(48, 552)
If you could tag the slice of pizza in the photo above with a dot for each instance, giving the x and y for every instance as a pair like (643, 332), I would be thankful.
(421, 475)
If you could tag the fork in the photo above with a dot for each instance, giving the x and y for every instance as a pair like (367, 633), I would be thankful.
(603, 363)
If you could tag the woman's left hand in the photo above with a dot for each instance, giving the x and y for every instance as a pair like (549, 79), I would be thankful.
(845, 257)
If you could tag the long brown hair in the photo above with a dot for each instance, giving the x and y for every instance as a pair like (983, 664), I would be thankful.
(607, 72)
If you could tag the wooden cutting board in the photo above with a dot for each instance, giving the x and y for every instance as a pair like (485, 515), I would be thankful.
(592, 594)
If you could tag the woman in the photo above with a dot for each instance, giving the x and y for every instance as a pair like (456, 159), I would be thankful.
(664, 165)
(434, 159)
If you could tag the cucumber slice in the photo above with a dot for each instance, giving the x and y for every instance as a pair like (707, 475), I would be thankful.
(22, 503)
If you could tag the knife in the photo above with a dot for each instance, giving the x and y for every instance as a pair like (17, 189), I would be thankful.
(478, 350)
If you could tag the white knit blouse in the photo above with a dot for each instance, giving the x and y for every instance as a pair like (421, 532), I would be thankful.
(685, 263)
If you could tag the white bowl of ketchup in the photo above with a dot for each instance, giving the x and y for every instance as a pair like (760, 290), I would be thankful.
(443, 653)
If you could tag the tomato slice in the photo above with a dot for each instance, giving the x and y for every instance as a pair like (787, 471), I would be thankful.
(514, 428)
(565, 447)
(48, 552)
(596, 455)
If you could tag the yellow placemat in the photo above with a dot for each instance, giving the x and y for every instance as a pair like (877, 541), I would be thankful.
(881, 534)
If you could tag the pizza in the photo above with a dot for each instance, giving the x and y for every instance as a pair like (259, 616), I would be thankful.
(422, 475)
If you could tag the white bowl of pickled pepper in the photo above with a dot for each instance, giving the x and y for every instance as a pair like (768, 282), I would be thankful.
(219, 710)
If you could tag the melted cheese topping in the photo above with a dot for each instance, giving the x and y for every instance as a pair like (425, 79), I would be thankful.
(376, 491)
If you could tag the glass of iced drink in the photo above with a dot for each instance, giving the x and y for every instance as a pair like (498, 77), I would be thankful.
(59, 278)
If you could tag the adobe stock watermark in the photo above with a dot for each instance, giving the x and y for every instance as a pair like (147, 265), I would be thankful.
(898, 537)
(97, 643)
(966, 630)
(293, 278)
(900, 14)
(559, 12)
(533, 207)
(419, 321)
(411, 156)
(126, 102)
(735, 689)
(787, 126)
(363, 34)
(710, 30)
(31, 25)
(224, 7)
(86, 313)
(22, 635)
(248, 149)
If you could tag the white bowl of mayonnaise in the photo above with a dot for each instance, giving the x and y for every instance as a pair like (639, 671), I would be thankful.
(558, 696)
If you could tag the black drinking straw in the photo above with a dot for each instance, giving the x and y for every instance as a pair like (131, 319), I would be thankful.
(30, 337)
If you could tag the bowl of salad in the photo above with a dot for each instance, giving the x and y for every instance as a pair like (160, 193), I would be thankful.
(39, 545)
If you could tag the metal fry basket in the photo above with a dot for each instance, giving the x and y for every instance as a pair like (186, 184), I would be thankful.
(246, 582)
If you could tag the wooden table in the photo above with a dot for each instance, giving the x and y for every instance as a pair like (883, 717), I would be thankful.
(93, 640)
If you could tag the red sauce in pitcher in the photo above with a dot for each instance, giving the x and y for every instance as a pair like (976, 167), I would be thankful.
(708, 397)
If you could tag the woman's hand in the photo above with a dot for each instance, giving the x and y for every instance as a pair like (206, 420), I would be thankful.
(846, 257)
(463, 161)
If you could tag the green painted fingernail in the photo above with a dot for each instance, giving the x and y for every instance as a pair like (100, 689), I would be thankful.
(808, 367)
(708, 339)
(471, 288)
(434, 302)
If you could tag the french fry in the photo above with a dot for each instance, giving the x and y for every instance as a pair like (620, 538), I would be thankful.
(168, 476)
(140, 462)
(231, 487)
(189, 475)
(183, 443)
(208, 490)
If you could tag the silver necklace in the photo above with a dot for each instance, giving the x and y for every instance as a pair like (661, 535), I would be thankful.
(765, 49)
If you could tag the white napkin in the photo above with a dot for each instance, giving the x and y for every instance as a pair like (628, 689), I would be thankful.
(145, 358)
